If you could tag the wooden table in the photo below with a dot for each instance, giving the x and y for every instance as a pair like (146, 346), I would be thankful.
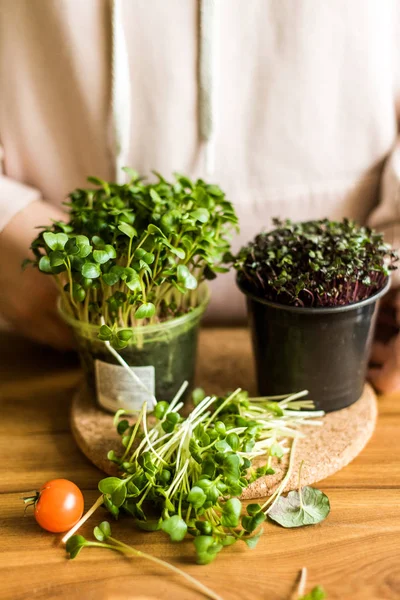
(355, 554)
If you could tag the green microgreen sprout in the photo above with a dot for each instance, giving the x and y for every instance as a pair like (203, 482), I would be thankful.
(184, 476)
(317, 593)
(136, 254)
(315, 264)
(102, 533)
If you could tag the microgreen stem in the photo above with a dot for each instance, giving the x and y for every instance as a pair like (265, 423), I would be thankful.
(177, 397)
(81, 521)
(275, 496)
(133, 435)
(129, 370)
(225, 402)
(130, 551)
(302, 582)
(300, 492)
(146, 435)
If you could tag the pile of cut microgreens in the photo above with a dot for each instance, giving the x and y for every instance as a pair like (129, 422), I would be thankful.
(315, 263)
(136, 253)
(184, 475)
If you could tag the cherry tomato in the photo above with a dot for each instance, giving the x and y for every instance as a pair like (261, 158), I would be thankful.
(59, 505)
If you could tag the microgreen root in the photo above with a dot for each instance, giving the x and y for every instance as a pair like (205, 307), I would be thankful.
(127, 368)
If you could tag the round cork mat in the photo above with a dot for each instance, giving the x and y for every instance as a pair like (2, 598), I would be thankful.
(225, 363)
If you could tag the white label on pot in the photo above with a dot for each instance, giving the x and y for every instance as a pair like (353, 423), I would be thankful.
(117, 389)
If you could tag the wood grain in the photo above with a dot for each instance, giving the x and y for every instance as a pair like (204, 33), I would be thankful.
(354, 554)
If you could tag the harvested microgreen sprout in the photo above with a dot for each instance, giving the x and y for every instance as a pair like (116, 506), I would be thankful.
(184, 475)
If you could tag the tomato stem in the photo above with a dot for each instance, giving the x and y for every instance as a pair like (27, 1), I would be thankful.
(81, 521)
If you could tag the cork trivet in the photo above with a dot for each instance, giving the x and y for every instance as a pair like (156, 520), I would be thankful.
(225, 363)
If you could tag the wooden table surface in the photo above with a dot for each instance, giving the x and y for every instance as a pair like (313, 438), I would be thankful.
(354, 554)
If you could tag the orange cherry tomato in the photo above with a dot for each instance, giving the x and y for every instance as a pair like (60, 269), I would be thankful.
(59, 505)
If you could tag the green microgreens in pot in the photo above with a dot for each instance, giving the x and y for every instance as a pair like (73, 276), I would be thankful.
(136, 253)
(315, 264)
(183, 476)
(102, 533)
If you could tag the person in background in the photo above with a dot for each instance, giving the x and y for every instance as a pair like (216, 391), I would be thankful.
(291, 106)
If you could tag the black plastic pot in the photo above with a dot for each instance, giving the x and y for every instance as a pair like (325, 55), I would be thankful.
(322, 350)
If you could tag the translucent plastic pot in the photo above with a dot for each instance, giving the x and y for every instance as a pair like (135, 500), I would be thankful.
(323, 350)
(163, 356)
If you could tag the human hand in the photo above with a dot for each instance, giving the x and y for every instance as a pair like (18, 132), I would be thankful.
(384, 373)
(28, 298)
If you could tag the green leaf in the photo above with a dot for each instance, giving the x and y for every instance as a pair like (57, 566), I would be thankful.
(317, 593)
(155, 230)
(275, 408)
(75, 544)
(228, 540)
(78, 292)
(127, 230)
(291, 512)
(185, 278)
(196, 497)
(250, 524)
(96, 181)
(175, 527)
(214, 190)
(231, 466)
(71, 248)
(83, 244)
(253, 509)
(134, 175)
(276, 450)
(207, 549)
(105, 333)
(125, 335)
(145, 311)
(55, 241)
(160, 409)
(115, 274)
(101, 256)
(233, 441)
(179, 252)
(253, 540)
(121, 428)
(114, 487)
(204, 527)
(110, 278)
(155, 196)
(98, 242)
(132, 279)
(44, 265)
(91, 270)
(231, 512)
(198, 395)
(201, 214)
(56, 258)
(102, 532)
(113, 510)
(142, 254)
